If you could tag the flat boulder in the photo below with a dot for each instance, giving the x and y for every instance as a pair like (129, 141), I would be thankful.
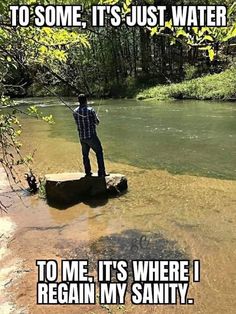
(70, 188)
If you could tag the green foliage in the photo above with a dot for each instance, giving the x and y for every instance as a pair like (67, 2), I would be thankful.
(10, 130)
(190, 72)
(42, 190)
(220, 86)
(126, 6)
(33, 111)
(204, 38)
(10, 145)
(23, 49)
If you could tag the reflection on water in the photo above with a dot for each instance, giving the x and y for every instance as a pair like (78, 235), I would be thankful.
(183, 137)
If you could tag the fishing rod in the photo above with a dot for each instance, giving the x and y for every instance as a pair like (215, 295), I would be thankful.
(63, 101)
(59, 97)
(68, 106)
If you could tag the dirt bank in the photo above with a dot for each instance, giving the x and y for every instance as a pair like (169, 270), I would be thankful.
(9, 262)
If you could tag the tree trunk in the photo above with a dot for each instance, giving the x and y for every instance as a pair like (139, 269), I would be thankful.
(145, 49)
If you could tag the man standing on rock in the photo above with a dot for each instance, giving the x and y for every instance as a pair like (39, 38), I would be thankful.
(86, 120)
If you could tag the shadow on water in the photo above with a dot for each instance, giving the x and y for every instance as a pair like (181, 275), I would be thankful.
(93, 203)
(128, 245)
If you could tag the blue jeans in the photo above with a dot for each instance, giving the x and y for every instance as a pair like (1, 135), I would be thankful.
(96, 146)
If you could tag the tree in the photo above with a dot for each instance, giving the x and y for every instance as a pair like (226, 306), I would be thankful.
(26, 50)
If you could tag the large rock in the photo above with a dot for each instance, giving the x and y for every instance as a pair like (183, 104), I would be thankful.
(69, 188)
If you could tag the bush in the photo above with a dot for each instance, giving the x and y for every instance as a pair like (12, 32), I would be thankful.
(190, 71)
(220, 86)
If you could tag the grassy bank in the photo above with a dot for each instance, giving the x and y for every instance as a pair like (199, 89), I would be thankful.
(220, 86)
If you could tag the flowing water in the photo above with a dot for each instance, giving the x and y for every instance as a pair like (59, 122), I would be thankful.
(180, 161)
(190, 137)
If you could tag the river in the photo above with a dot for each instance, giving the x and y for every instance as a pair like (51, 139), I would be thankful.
(180, 161)
(190, 137)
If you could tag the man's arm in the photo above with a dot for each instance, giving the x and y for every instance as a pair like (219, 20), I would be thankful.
(95, 117)
(75, 116)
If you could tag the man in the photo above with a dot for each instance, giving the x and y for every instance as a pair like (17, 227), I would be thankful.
(86, 120)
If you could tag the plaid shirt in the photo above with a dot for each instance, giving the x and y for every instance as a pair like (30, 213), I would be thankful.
(86, 120)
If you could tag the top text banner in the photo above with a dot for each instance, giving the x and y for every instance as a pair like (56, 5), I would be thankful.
(103, 15)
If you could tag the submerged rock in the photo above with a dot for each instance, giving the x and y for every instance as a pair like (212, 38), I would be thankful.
(69, 188)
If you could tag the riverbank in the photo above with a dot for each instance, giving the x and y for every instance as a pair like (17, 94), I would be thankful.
(220, 86)
(9, 263)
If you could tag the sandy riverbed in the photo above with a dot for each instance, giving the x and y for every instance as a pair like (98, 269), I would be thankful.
(180, 216)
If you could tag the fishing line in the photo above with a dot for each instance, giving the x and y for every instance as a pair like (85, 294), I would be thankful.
(63, 101)
(100, 102)
(68, 106)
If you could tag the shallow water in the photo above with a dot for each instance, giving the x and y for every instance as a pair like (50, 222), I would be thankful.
(163, 216)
